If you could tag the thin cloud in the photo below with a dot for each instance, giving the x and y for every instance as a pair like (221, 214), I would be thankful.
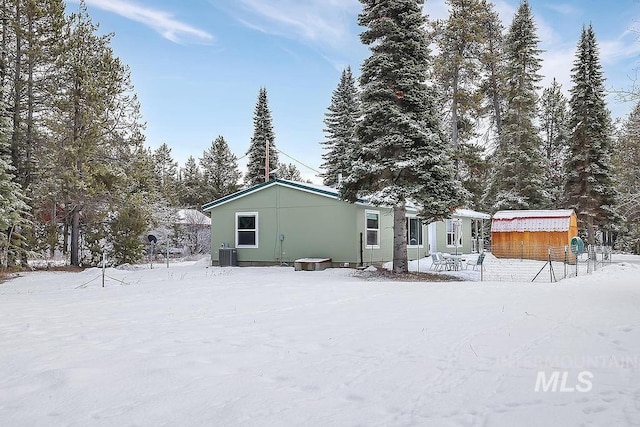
(564, 9)
(327, 21)
(162, 22)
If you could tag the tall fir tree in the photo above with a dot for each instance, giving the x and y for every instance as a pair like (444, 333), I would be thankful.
(555, 133)
(590, 185)
(340, 122)
(402, 154)
(626, 160)
(263, 137)
(220, 174)
(517, 180)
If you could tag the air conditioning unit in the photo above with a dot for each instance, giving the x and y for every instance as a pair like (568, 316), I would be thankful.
(228, 257)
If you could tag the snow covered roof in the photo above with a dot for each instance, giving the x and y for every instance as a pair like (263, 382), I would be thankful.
(468, 213)
(192, 217)
(532, 220)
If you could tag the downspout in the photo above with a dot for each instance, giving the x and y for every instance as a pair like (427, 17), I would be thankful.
(361, 252)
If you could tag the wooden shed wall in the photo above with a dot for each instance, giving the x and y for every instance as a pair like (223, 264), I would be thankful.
(534, 244)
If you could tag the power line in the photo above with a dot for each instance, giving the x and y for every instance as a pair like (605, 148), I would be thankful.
(298, 161)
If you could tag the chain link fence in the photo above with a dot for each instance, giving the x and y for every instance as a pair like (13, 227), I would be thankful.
(542, 263)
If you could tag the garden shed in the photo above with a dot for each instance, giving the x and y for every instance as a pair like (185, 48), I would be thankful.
(532, 234)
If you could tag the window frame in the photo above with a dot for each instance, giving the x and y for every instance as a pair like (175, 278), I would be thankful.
(255, 230)
(420, 244)
(367, 229)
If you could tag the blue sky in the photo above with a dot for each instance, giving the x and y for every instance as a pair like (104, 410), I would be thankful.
(198, 65)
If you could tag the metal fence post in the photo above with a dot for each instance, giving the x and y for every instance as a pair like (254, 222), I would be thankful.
(566, 260)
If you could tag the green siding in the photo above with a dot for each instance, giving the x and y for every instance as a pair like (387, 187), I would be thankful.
(441, 237)
(313, 225)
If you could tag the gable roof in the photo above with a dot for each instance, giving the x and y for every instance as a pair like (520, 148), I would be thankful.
(533, 220)
(320, 190)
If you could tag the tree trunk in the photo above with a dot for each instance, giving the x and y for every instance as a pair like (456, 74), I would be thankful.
(454, 123)
(75, 236)
(591, 238)
(29, 140)
(17, 91)
(400, 264)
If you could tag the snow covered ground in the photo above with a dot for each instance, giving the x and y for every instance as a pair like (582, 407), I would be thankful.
(191, 345)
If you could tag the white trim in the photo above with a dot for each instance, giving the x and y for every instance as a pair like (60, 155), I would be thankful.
(409, 245)
(257, 240)
(366, 229)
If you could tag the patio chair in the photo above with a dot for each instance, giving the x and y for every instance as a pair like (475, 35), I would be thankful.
(475, 262)
(437, 261)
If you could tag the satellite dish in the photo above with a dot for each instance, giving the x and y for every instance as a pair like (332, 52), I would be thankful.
(152, 238)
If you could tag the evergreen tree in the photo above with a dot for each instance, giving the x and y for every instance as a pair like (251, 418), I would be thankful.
(93, 127)
(626, 159)
(263, 136)
(518, 178)
(554, 125)
(289, 172)
(461, 40)
(590, 186)
(166, 171)
(492, 59)
(220, 172)
(340, 121)
(402, 152)
(191, 182)
(459, 68)
(12, 204)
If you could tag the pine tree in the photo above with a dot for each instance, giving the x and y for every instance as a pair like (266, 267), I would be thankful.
(220, 172)
(166, 171)
(289, 172)
(517, 180)
(402, 152)
(93, 127)
(554, 125)
(460, 41)
(492, 59)
(190, 188)
(590, 186)
(340, 121)
(626, 159)
(263, 136)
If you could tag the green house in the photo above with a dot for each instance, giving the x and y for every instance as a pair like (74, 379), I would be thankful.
(280, 221)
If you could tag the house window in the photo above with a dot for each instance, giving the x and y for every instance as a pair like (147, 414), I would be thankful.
(246, 229)
(454, 232)
(414, 232)
(373, 229)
